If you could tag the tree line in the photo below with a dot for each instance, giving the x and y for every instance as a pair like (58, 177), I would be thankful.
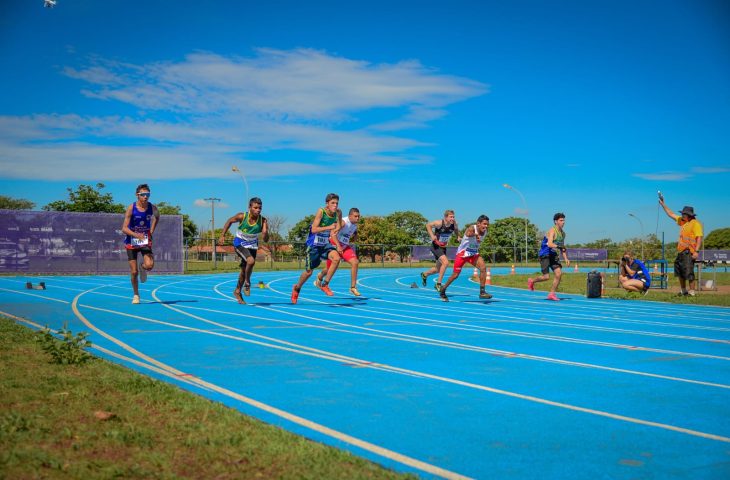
(506, 242)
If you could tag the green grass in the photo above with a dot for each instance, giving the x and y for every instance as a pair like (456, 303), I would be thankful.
(49, 427)
(576, 283)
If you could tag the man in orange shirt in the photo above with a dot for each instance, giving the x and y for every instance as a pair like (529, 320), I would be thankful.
(688, 246)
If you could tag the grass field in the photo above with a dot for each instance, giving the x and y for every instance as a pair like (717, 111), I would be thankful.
(576, 283)
(100, 420)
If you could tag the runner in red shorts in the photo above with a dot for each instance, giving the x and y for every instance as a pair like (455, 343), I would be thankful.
(468, 252)
(346, 235)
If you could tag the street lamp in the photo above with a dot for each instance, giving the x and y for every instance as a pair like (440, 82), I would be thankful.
(236, 169)
(641, 224)
(527, 212)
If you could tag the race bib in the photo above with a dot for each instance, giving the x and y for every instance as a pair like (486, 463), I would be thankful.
(136, 242)
(444, 237)
(321, 239)
(249, 241)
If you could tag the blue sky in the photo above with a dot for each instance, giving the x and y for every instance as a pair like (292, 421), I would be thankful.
(587, 108)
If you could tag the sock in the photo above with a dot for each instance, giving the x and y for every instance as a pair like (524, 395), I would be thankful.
(324, 283)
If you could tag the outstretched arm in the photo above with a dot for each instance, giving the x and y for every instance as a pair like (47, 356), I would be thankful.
(669, 212)
(236, 218)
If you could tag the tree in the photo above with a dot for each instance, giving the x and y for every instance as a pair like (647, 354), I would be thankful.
(86, 199)
(412, 223)
(369, 235)
(190, 230)
(505, 241)
(298, 234)
(276, 222)
(718, 239)
(10, 203)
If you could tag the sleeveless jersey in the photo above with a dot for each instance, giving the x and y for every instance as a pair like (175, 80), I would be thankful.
(322, 238)
(443, 233)
(469, 246)
(140, 222)
(347, 231)
(247, 234)
(558, 240)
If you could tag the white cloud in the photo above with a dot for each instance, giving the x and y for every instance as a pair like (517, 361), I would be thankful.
(231, 110)
(202, 202)
(664, 176)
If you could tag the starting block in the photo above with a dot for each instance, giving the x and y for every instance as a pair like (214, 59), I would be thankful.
(413, 285)
(262, 284)
(40, 286)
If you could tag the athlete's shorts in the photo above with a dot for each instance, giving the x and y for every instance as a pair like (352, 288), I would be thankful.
(684, 266)
(459, 262)
(133, 253)
(437, 251)
(550, 262)
(245, 253)
(646, 282)
(348, 253)
(315, 255)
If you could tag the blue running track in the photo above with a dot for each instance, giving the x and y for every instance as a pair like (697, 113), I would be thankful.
(516, 387)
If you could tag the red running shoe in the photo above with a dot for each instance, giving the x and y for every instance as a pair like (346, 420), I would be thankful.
(531, 284)
(294, 294)
(553, 297)
(326, 290)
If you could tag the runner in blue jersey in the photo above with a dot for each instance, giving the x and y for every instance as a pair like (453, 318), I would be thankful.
(246, 242)
(553, 243)
(634, 276)
(324, 228)
(140, 222)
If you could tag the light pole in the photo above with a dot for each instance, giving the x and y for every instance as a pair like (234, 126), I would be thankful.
(527, 212)
(641, 224)
(245, 182)
(514, 244)
(212, 201)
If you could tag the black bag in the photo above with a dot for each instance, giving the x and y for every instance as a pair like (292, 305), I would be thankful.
(593, 285)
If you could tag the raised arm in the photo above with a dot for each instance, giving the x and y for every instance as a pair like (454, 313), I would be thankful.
(669, 212)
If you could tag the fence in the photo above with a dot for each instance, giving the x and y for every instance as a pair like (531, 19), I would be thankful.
(76, 242)
(199, 255)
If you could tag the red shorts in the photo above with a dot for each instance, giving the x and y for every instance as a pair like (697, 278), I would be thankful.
(459, 261)
(348, 253)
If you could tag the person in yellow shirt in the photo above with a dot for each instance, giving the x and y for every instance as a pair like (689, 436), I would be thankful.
(688, 246)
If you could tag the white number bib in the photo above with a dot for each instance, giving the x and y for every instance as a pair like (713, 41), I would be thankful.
(136, 242)
(321, 239)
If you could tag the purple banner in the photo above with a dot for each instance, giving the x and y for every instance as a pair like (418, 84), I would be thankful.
(715, 255)
(588, 254)
(423, 252)
(73, 242)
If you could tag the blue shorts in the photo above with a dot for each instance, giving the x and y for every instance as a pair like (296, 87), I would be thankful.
(315, 255)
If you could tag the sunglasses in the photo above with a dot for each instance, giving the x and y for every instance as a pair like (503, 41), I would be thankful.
(144, 194)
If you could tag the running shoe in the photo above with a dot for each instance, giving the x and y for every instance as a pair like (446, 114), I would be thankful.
(553, 297)
(318, 282)
(326, 290)
(424, 279)
(247, 289)
(135, 299)
(239, 298)
(443, 296)
(353, 290)
(294, 294)
(485, 295)
(691, 293)
(437, 287)
(531, 284)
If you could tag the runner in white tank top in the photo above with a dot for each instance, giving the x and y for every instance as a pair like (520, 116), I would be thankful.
(468, 252)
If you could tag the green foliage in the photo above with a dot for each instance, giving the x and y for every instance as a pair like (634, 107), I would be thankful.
(10, 203)
(718, 239)
(86, 198)
(298, 234)
(412, 223)
(506, 240)
(70, 350)
(190, 230)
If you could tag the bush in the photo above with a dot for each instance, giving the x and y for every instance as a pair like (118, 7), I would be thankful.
(69, 350)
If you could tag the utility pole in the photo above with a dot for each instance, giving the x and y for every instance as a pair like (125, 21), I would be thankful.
(212, 201)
